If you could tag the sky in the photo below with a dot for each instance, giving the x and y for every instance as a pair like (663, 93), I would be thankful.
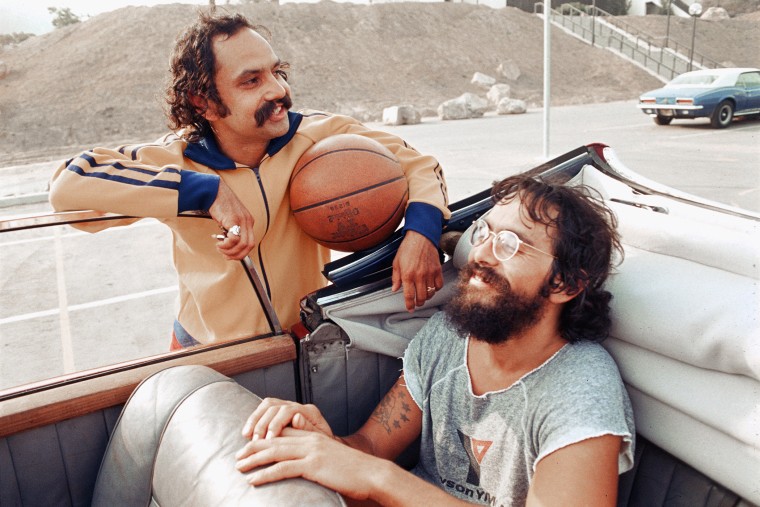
(32, 16)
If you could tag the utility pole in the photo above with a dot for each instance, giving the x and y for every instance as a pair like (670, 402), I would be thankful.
(547, 73)
(695, 10)
(667, 27)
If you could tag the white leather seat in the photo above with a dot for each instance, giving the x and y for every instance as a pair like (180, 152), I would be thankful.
(175, 443)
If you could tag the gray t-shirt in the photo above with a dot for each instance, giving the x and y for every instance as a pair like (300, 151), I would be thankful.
(484, 449)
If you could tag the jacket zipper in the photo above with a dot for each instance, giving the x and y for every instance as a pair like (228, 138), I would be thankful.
(258, 247)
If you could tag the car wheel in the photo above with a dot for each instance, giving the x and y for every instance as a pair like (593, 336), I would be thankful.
(662, 120)
(723, 114)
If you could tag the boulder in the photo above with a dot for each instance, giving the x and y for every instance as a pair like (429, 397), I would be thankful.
(483, 81)
(511, 106)
(467, 105)
(509, 70)
(715, 13)
(498, 92)
(401, 115)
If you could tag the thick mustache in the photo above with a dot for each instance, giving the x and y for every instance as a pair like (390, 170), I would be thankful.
(486, 274)
(265, 111)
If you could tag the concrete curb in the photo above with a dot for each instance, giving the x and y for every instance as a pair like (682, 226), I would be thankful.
(20, 200)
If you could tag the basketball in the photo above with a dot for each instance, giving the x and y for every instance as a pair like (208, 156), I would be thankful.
(348, 192)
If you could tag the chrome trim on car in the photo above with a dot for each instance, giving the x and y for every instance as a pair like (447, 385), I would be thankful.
(23, 222)
(675, 107)
(614, 167)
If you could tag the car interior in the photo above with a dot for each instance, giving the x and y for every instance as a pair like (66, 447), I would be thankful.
(163, 430)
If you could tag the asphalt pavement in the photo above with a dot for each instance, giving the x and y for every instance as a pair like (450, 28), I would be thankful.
(72, 300)
(723, 165)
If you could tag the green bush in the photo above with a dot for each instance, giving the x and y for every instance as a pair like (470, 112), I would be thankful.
(6, 39)
(63, 17)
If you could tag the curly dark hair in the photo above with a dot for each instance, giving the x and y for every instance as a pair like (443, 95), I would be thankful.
(193, 67)
(584, 240)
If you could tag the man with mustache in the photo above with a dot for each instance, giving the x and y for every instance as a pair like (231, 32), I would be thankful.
(514, 400)
(234, 146)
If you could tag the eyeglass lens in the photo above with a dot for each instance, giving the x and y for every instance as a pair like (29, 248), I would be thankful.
(505, 243)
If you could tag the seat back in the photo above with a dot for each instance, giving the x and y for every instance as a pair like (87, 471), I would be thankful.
(686, 338)
(175, 442)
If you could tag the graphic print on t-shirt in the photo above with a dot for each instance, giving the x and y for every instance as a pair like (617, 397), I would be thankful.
(476, 450)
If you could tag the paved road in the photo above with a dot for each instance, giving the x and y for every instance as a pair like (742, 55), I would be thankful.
(722, 165)
(71, 300)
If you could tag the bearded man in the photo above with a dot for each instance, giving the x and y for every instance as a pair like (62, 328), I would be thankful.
(515, 400)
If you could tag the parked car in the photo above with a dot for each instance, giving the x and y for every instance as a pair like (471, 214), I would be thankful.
(685, 336)
(718, 94)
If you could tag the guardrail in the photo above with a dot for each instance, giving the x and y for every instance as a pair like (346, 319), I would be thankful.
(600, 28)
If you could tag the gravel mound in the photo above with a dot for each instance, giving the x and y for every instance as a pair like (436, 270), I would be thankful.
(101, 81)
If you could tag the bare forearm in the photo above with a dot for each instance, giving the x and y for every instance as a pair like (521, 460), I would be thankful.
(358, 442)
(393, 486)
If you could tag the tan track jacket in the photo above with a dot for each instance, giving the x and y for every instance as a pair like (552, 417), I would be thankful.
(160, 180)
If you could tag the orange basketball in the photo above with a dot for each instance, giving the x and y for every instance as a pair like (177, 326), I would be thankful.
(348, 192)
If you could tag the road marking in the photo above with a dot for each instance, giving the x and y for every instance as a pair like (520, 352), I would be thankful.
(87, 306)
(712, 132)
(72, 233)
(67, 348)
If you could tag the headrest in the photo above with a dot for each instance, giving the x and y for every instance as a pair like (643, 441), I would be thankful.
(462, 250)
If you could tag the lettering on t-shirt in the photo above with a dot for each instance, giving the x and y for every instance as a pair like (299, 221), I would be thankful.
(475, 493)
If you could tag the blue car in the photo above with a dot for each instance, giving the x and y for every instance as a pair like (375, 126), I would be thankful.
(718, 94)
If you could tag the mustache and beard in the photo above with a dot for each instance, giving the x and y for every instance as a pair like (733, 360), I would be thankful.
(495, 319)
(264, 112)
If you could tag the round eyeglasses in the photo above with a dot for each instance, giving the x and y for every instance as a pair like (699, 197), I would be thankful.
(505, 243)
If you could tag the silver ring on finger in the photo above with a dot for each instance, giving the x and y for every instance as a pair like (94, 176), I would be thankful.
(234, 230)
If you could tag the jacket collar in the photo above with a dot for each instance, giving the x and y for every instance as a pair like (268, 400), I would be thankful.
(206, 151)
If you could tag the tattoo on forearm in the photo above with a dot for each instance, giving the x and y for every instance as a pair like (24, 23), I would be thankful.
(387, 412)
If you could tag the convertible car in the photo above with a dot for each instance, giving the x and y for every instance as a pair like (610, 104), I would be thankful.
(161, 429)
(718, 94)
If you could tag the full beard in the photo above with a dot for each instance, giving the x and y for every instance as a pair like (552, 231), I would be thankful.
(263, 113)
(494, 319)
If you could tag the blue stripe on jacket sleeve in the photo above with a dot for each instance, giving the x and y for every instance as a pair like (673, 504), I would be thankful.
(197, 191)
(118, 165)
(425, 219)
(173, 185)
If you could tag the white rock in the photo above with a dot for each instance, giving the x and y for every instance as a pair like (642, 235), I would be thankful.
(715, 13)
(498, 92)
(401, 115)
(509, 70)
(511, 106)
(483, 81)
(467, 105)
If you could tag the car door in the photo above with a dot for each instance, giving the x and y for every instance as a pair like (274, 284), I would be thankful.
(84, 318)
(749, 83)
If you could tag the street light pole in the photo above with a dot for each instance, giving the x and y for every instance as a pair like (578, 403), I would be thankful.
(667, 27)
(593, 22)
(547, 74)
(695, 10)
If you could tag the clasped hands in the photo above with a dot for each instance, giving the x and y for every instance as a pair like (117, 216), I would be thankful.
(296, 441)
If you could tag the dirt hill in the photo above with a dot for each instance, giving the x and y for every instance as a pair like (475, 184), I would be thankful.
(101, 81)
